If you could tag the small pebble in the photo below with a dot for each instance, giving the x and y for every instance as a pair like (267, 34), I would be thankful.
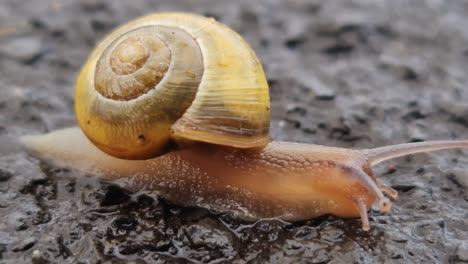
(201, 235)
(461, 254)
(24, 49)
(460, 177)
(317, 87)
(24, 244)
(417, 134)
(5, 175)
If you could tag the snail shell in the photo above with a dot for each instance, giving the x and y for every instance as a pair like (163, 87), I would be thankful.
(169, 77)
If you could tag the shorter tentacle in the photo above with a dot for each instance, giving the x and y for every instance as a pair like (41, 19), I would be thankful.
(362, 208)
(369, 183)
(387, 189)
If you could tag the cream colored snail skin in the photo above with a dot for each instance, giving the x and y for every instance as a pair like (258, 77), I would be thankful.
(179, 104)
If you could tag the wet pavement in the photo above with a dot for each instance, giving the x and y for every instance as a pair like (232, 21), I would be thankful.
(354, 73)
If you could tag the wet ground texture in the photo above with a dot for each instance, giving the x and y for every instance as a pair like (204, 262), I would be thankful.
(354, 73)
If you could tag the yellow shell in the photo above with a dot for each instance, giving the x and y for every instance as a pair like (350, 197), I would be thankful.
(172, 76)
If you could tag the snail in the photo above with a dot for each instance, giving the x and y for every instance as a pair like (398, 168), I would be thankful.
(178, 103)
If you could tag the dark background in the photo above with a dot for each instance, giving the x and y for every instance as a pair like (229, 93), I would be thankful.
(350, 73)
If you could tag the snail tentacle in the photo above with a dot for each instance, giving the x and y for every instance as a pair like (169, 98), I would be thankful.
(362, 208)
(378, 155)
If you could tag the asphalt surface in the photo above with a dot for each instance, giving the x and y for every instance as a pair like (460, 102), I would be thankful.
(354, 73)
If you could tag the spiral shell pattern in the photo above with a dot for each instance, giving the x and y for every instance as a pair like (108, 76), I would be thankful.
(172, 77)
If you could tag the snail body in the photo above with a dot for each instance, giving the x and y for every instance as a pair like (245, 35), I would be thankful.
(197, 132)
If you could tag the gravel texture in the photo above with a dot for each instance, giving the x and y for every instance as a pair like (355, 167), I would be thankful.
(350, 73)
